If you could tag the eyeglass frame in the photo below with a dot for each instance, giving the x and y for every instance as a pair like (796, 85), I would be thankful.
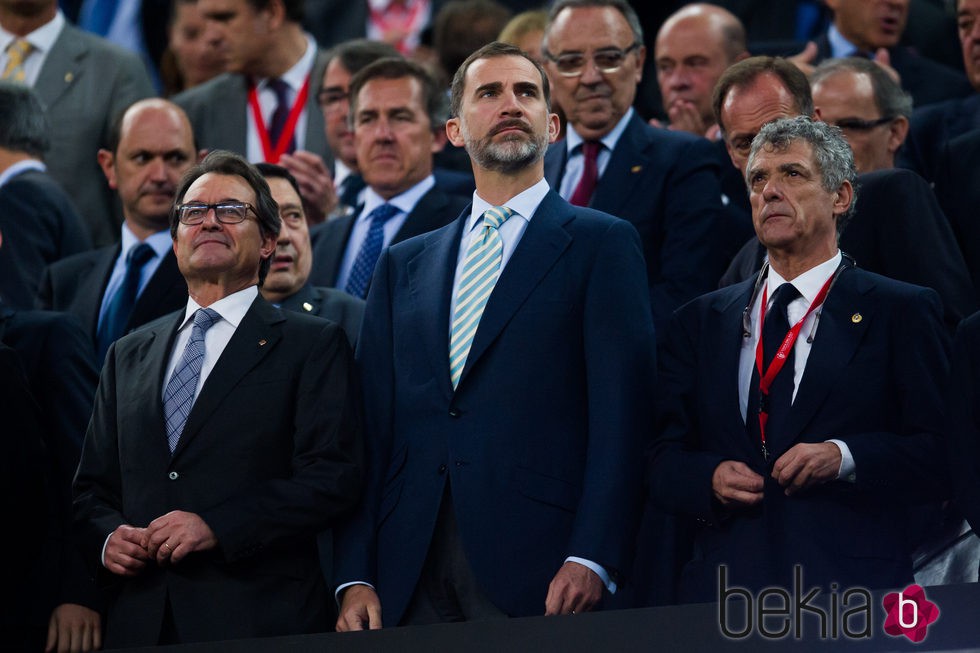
(622, 52)
(859, 125)
(213, 207)
(327, 99)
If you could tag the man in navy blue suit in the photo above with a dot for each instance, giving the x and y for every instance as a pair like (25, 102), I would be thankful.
(813, 459)
(664, 182)
(507, 363)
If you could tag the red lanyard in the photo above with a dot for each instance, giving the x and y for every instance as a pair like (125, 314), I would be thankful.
(403, 20)
(269, 153)
(766, 379)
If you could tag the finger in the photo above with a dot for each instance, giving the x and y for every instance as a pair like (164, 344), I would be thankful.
(351, 621)
(52, 635)
(374, 617)
(552, 602)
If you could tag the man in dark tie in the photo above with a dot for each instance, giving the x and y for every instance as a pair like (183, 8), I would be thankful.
(802, 467)
(117, 288)
(664, 182)
(224, 437)
(507, 361)
(397, 115)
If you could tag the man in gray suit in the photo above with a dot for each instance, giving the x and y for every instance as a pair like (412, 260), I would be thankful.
(83, 82)
(265, 105)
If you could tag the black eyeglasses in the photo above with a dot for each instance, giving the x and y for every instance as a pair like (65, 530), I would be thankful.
(330, 98)
(858, 125)
(193, 213)
(607, 60)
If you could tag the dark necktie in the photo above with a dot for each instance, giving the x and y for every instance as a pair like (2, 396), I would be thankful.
(350, 189)
(178, 398)
(280, 115)
(780, 399)
(590, 174)
(367, 256)
(120, 307)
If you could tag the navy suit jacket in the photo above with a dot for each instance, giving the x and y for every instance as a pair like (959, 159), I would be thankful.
(666, 184)
(958, 191)
(873, 379)
(434, 209)
(931, 128)
(76, 284)
(539, 440)
(964, 425)
(330, 304)
(270, 454)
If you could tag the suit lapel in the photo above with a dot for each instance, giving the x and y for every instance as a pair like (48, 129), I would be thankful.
(89, 300)
(543, 243)
(427, 215)
(257, 335)
(838, 335)
(618, 181)
(62, 67)
(152, 359)
(330, 249)
(430, 282)
(554, 164)
(165, 287)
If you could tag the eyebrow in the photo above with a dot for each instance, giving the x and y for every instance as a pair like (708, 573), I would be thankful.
(492, 86)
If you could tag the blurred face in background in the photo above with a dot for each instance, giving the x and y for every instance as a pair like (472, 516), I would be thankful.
(198, 59)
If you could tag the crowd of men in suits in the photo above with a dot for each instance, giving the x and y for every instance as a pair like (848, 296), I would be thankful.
(591, 370)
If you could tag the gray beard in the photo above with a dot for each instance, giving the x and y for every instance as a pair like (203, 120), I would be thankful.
(508, 156)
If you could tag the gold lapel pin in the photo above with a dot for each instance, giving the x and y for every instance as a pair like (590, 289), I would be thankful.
(636, 169)
(69, 77)
(262, 342)
(857, 317)
(307, 306)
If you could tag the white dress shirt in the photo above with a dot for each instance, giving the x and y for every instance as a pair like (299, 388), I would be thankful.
(575, 164)
(162, 244)
(42, 39)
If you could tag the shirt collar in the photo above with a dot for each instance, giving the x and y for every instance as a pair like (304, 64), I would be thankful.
(839, 46)
(609, 140)
(296, 76)
(19, 167)
(404, 202)
(161, 241)
(42, 39)
(523, 204)
(810, 282)
(231, 308)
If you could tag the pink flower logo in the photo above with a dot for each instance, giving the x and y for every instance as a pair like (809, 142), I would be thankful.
(909, 613)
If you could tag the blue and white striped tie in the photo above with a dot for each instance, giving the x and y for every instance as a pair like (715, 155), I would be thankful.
(179, 395)
(481, 268)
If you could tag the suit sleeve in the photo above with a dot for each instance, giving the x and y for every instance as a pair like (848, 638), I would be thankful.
(964, 421)
(619, 346)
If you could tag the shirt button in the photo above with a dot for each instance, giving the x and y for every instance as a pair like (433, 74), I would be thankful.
(173, 476)
(453, 412)
(442, 469)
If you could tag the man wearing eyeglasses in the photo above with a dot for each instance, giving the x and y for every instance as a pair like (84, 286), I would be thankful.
(871, 109)
(224, 437)
(665, 183)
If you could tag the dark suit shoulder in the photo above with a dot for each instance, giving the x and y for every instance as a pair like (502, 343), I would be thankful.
(71, 265)
(203, 94)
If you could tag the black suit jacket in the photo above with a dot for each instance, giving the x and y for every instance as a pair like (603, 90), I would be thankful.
(434, 209)
(932, 127)
(964, 421)
(76, 285)
(270, 455)
(330, 304)
(872, 381)
(666, 184)
(958, 191)
(899, 231)
(39, 226)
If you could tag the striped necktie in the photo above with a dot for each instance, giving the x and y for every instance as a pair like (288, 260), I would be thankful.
(17, 53)
(178, 398)
(481, 268)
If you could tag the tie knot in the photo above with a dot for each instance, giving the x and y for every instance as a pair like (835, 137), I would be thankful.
(590, 149)
(19, 48)
(382, 214)
(783, 295)
(139, 255)
(205, 318)
(496, 216)
(280, 88)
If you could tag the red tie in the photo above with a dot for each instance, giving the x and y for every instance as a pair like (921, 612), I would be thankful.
(590, 174)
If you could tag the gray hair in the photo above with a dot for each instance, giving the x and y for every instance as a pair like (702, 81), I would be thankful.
(23, 127)
(833, 155)
(889, 97)
(621, 6)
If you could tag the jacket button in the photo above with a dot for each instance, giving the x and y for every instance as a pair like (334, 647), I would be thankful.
(453, 412)
(442, 469)
(173, 476)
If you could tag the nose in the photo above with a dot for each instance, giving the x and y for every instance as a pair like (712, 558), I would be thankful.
(772, 191)
(211, 220)
(590, 72)
(382, 130)
(678, 79)
(511, 105)
(213, 32)
(157, 169)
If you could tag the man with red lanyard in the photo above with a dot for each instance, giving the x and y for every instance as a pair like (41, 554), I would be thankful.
(802, 411)
(264, 107)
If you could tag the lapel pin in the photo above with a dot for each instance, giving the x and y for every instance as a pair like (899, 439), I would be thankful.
(857, 317)
(307, 307)
(636, 169)
(69, 77)
(262, 342)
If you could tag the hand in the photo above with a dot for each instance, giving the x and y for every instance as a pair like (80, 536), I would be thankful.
(74, 627)
(806, 465)
(172, 537)
(735, 484)
(804, 60)
(125, 554)
(684, 116)
(360, 607)
(575, 588)
(884, 61)
(315, 183)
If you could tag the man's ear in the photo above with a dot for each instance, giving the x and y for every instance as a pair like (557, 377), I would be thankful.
(454, 132)
(107, 161)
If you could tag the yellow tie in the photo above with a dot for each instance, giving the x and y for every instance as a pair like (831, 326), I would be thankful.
(17, 53)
